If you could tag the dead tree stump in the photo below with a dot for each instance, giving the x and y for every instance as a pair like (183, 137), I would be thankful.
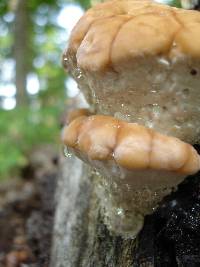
(170, 237)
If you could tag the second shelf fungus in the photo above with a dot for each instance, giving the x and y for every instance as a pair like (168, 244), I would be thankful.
(136, 166)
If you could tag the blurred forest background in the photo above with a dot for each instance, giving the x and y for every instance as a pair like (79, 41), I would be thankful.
(35, 93)
(33, 84)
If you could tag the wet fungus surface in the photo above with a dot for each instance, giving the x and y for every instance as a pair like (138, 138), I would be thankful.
(139, 71)
(135, 166)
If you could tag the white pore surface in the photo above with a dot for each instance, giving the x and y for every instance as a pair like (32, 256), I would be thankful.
(154, 92)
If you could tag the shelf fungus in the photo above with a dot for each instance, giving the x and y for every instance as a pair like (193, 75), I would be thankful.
(138, 66)
(139, 166)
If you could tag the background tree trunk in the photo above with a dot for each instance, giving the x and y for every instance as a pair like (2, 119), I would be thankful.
(170, 237)
(21, 39)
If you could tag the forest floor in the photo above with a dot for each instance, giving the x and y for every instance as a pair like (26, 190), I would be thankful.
(26, 212)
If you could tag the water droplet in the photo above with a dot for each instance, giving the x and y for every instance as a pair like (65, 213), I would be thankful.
(97, 173)
(149, 124)
(79, 74)
(120, 211)
(173, 203)
(156, 111)
(164, 61)
(177, 127)
(67, 153)
(65, 59)
(65, 62)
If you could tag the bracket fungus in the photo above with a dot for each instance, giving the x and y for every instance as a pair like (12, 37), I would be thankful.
(139, 166)
(139, 70)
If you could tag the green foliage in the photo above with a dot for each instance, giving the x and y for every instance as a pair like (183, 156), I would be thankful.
(21, 130)
(3, 7)
(176, 3)
(24, 128)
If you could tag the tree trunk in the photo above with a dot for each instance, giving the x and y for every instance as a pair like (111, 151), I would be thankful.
(21, 38)
(170, 237)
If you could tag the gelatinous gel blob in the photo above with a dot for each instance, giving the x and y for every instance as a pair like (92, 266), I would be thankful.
(125, 207)
(124, 201)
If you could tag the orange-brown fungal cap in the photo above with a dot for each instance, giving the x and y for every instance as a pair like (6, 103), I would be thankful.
(77, 113)
(113, 32)
(130, 145)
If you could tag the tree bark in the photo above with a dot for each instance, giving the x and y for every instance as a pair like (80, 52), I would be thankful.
(21, 38)
(170, 237)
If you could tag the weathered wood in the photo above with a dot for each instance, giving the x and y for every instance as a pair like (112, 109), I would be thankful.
(170, 237)
(71, 219)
